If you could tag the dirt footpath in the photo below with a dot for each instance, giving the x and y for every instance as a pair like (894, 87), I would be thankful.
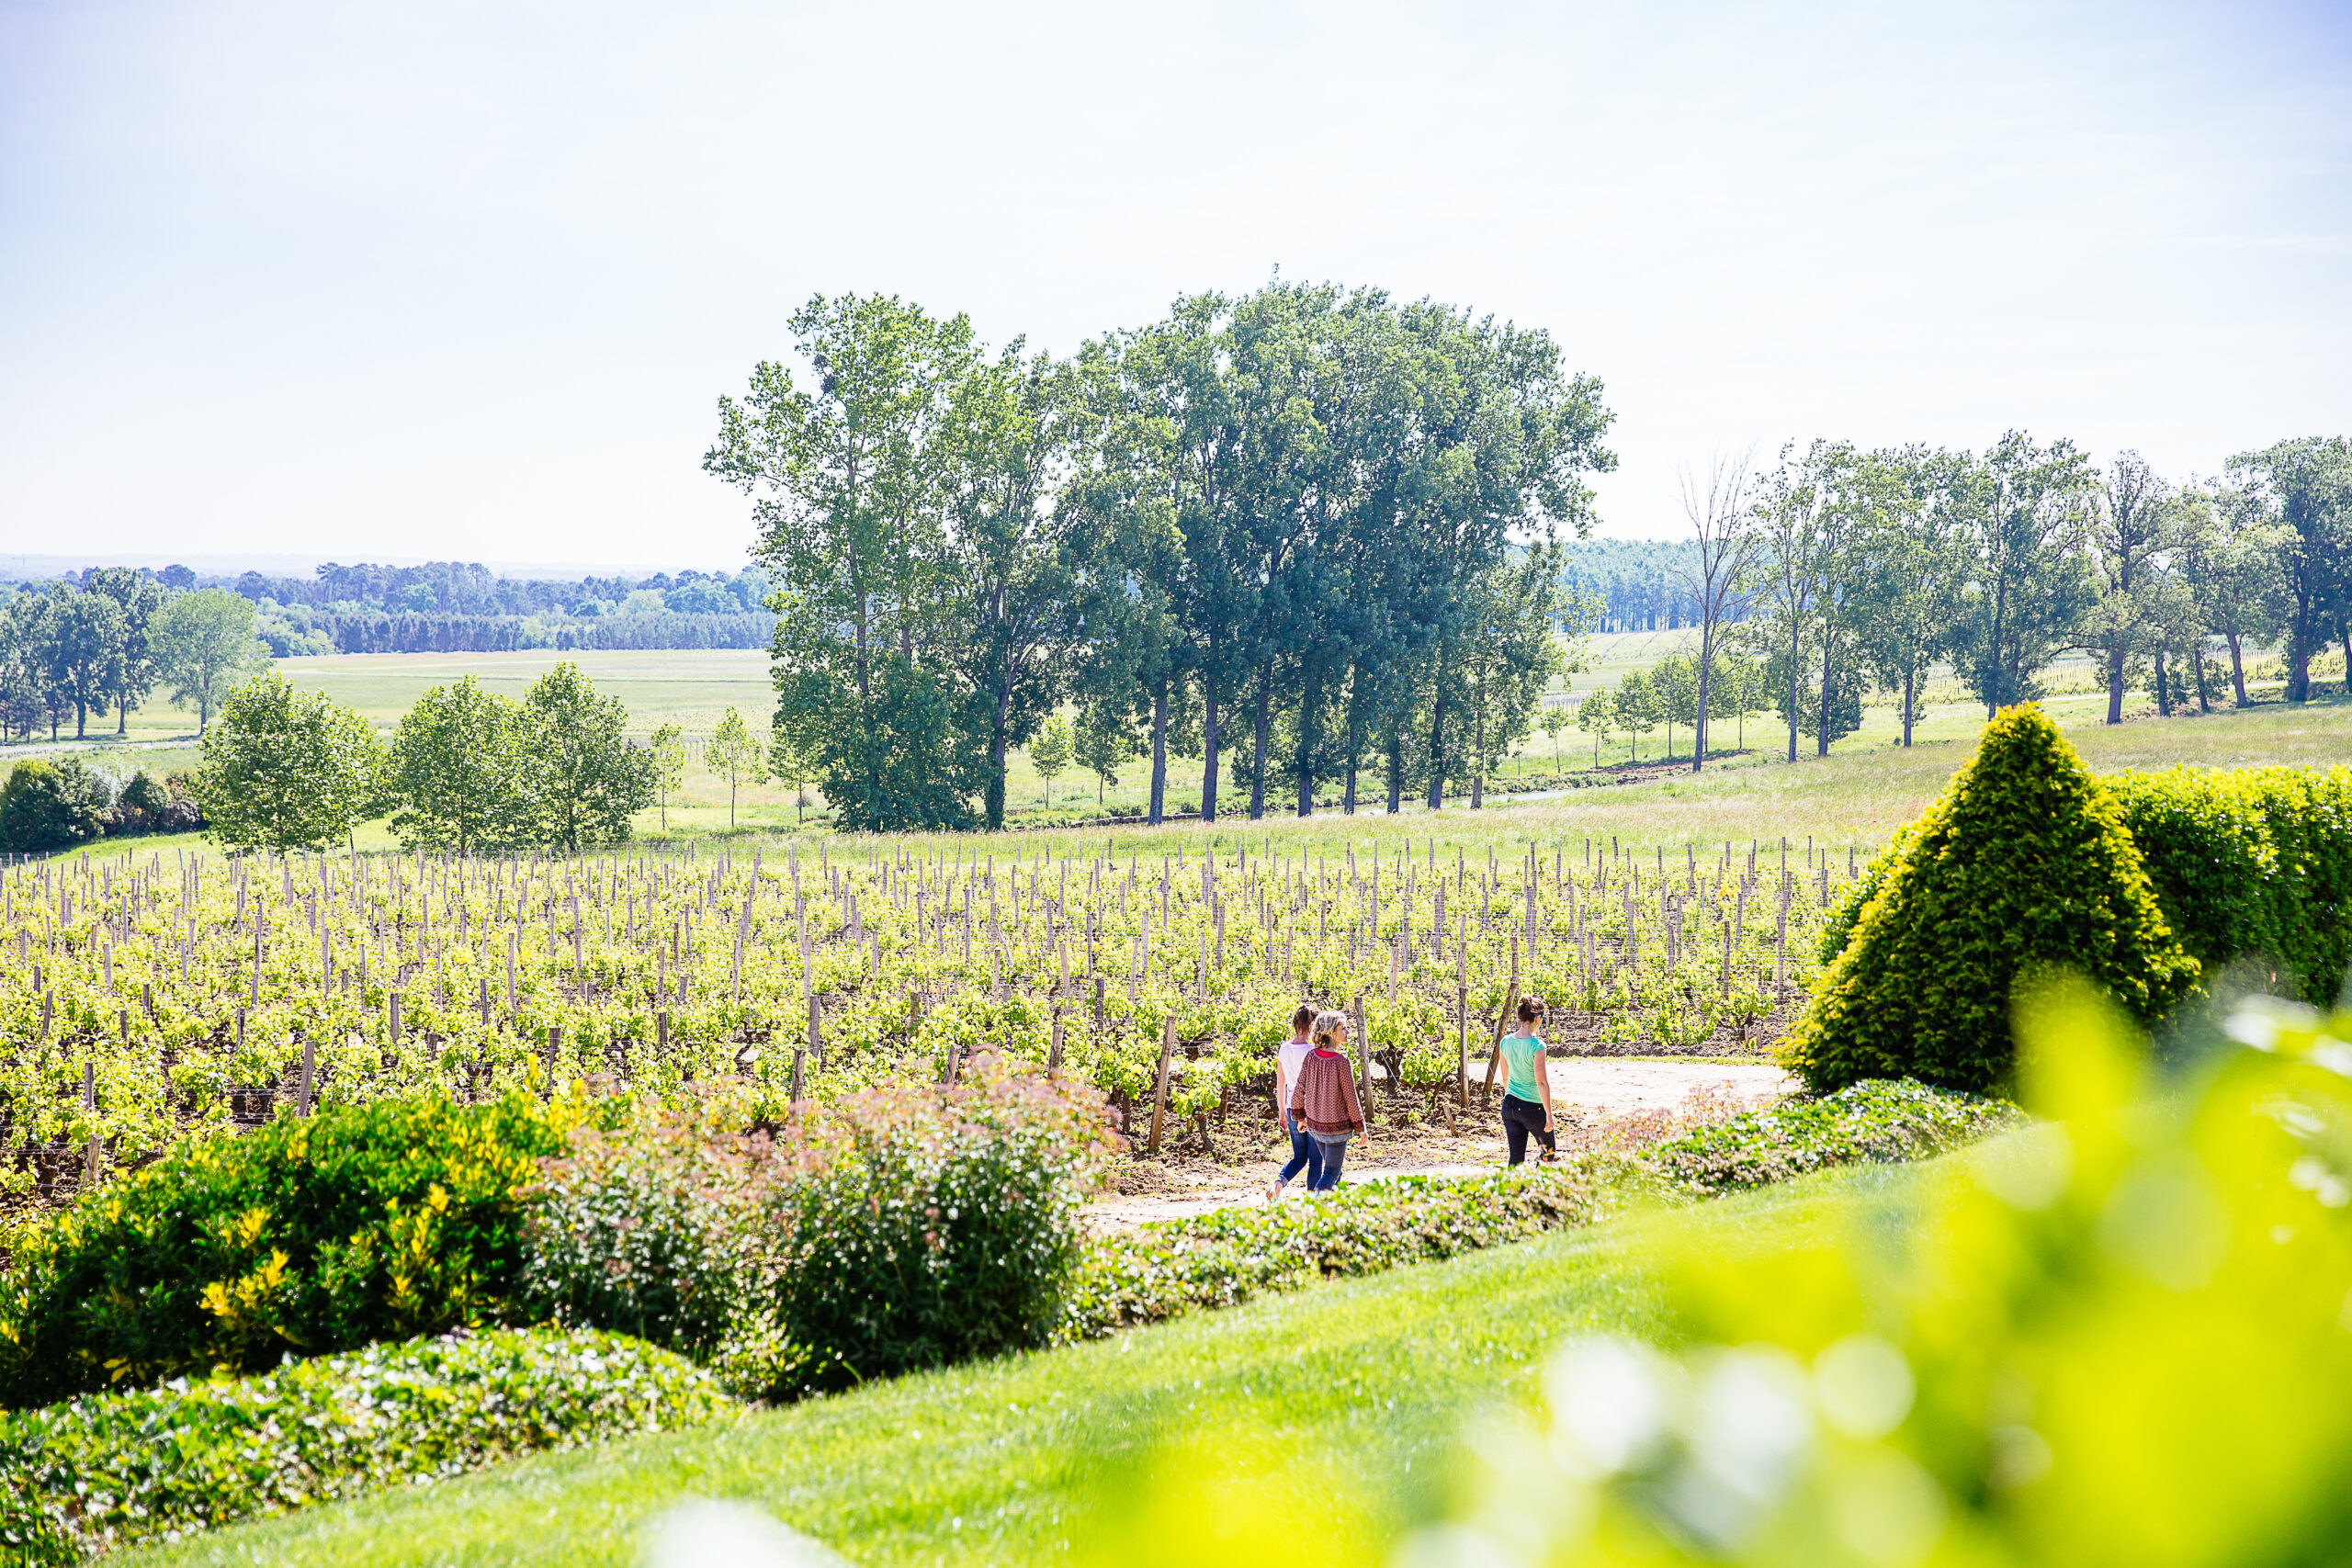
(1596, 1100)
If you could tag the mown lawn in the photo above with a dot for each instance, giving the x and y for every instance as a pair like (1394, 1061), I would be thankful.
(1354, 1397)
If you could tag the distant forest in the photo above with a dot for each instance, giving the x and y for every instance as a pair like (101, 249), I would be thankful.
(1645, 584)
(462, 607)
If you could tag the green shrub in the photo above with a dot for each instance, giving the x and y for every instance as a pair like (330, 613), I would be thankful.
(2253, 862)
(51, 806)
(917, 1226)
(2023, 864)
(110, 1469)
(310, 1236)
(658, 1232)
(1878, 1122)
(1228, 1255)
(899, 1228)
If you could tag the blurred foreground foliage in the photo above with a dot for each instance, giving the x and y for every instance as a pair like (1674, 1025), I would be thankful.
(2123, 1335)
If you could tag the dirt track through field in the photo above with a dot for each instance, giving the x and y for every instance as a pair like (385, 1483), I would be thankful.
(1593, 1098)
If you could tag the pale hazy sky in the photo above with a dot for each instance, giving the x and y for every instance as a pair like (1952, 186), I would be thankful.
(466, 279)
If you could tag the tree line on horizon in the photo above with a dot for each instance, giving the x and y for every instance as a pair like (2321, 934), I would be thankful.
(1841, 568)
(111, 636)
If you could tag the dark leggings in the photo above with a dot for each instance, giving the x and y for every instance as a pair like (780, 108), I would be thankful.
(1521, 1117)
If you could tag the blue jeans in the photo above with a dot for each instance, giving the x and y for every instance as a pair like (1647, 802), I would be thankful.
(1334, 1150)
(1304, 1153)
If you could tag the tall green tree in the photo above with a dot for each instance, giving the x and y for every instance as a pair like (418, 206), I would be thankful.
(85, 635)
(1126, 480)
(203, 644)
(465, 773)
(2303, 488)
(2029, 577)
(591, 781)
(1912, 554)
(285, 769)
(29, 689)
(1507, 656)
(2234, 553)
(132, 672)
(850, 479)
(1010, 627)
(1637, 708)
(1597, 717)
(2128, 537)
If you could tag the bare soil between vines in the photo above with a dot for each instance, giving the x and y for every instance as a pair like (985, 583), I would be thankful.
(1624, 1101)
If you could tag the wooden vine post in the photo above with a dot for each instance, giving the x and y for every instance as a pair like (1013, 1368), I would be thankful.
(1462, 1044)
(90, 1107)
(1363, 1063)
(1160, 1088)
(1502, 1018)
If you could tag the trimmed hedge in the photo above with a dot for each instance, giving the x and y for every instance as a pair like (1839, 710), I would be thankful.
(2024, 863)
(111, 1470)
(311, 1235)
(1228, 1255)
(2252, 862)
(2248, 862)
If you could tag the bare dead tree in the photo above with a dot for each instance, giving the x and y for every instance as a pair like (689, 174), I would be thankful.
(1715, 506)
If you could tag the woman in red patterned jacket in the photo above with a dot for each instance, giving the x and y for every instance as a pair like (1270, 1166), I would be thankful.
(1324, 1098)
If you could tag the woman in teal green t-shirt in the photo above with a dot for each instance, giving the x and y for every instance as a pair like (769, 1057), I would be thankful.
(1527, 1097)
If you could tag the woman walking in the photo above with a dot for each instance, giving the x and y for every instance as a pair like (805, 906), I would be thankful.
(1304, 1153)
(1325, 1097)
(1527, 1097)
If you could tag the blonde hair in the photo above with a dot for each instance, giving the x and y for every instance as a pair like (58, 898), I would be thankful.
(1326, 1028)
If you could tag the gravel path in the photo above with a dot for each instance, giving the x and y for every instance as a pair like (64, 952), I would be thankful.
(1589, 1094)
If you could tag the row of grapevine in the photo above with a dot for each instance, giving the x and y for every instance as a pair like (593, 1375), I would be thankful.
(149, 1001)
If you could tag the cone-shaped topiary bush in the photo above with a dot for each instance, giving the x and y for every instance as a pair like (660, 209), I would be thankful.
(2025, 862)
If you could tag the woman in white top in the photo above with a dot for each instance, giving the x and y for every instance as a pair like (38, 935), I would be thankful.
(1304, 1153)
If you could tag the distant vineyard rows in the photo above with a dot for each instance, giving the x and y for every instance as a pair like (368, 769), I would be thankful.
(150, 1003)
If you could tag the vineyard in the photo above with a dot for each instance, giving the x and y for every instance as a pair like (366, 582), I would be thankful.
(195, 993)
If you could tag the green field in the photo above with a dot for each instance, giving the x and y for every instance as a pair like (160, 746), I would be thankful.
(1355, 1397)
